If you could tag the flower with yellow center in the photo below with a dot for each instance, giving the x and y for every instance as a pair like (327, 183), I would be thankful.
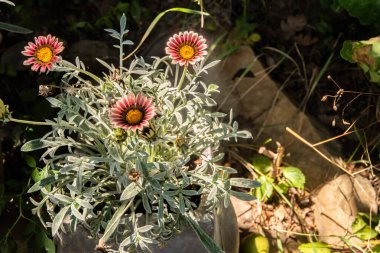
(186, 47)
(132, 112)
(134, 116)
(186, 52)
(43, 52)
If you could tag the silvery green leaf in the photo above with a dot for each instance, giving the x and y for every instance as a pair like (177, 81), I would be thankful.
(114, 222)
(244, 134)
(130, 191)
(112, 31)
(178, 117)
(84, 203)
(146, 203)
(212, 193)
(67, 168)
(145, 228)
(123, 23)
(227, 169)
(217, 157)
(114, 152)
(182, 207)
(41, 184)
(243, 196)
(7, 2)
(206, 240)
(190, 192)
(141, 166)
(34, 145)
(244, 183)
(76, 213)
(54, 102)
(62, 198)
(126, 242)
(58, 219)
(105, 64)
(211, 64)
(127, 42)
(14, 28)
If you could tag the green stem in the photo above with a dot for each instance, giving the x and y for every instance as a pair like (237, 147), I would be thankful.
(28, 122)
(152, 153)
(182, 78)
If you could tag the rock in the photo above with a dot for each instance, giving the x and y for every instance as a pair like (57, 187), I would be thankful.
(260, 106)
(337, 203)
(243, 212)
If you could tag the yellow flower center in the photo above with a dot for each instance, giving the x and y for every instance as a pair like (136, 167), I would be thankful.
(44, 54)
(186, 52)
(134, 116)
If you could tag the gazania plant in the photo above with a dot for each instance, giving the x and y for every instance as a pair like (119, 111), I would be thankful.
(132, 154)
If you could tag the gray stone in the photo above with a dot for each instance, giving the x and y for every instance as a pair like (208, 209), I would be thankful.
(338, 202)
(261, 107)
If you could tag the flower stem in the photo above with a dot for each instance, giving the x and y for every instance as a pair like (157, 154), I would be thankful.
(28, 122)
(182, 78)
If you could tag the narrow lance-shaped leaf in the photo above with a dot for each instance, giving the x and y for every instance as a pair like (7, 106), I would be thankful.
(14, 28)
(58, 219)
(244, 182)
(114, 222)
(206, 240)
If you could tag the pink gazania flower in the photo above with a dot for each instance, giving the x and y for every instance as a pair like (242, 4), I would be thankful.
(43, 52)
(132, 112)
(186, 47)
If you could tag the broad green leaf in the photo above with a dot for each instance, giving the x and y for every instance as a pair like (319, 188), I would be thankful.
(295, 176)
(262, 163)
(206, 240)
(48, 243)
(37, 175)
(244, 183)
(375, 49)
(58, 219)
(376, 249)
(30, 161)
(14, 28)
(366, 233)
(361, 227)
(315, 247)
(358, 224)
(347, 51)
(265, 191)
(33, 145)
(367, 11)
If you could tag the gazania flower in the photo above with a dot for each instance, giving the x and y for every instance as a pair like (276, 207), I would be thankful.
(186, 47)
(132, 112)
(43, 52)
